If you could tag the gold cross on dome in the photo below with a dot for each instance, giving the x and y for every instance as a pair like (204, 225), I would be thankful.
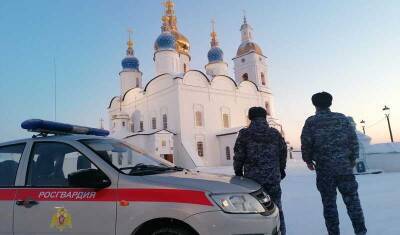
(130, 32)
(169, 7)
(213, 25)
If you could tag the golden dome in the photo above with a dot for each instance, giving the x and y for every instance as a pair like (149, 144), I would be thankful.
(182, 43)
(247, 47)
(170, 24)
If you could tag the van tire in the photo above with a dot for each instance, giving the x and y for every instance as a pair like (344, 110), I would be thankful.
(172, 231)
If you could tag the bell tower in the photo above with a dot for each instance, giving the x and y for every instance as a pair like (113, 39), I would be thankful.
(130, 75)
(250, 63)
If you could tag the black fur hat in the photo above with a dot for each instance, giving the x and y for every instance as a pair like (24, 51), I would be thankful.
(255, 112)
(322, 100)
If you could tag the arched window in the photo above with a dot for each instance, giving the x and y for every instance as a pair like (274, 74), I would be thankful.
(225, 119)
(267, 108)
(199, 118)
(165, 121)
(228, 153)
(263, 79)
(141, 126)
(137, 82)
(200, 149)
(245, 77)
(154, 123)
(120, 157)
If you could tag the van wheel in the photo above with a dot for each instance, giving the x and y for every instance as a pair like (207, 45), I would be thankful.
(172, 231)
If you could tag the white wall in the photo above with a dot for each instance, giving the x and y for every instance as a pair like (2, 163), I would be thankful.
(180, 98)
(388, 162)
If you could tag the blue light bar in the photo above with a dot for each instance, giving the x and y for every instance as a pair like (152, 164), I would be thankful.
(49, 127)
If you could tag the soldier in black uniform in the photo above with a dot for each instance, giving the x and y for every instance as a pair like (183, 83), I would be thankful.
(260, 154)
(329, 145)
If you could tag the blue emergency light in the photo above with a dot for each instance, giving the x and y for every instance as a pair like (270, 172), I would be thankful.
(49, 127)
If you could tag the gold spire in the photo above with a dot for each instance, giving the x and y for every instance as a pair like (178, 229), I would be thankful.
(129, 51)
(169, 23)
(169, 18)
(130, 42)
(213, 34)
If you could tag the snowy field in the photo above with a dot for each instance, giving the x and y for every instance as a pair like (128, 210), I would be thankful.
(379, 194)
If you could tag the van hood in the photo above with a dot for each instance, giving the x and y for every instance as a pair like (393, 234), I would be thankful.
(214, 183)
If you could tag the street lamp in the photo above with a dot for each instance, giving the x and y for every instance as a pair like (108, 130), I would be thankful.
(386, 110)
(363, 126)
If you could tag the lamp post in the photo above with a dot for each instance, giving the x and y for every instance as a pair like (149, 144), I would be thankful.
(363, 126)
(386, 110)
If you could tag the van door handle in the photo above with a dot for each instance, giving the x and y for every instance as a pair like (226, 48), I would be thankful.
(26, 203)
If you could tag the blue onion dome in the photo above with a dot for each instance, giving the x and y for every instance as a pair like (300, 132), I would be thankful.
(165, 41)
(130, 63)
(215, 54)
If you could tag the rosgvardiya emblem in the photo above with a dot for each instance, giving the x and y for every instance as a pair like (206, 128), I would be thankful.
(61, 219)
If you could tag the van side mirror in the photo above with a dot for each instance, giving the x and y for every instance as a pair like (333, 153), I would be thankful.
(89, 178)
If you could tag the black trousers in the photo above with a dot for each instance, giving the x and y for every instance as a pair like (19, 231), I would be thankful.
(275, 192)
(347, 185)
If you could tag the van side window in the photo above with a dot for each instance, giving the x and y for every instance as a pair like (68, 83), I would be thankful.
(50, 164)
(9, 161)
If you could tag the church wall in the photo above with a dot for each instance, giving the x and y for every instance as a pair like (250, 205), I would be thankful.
(167, 61)
(214, 101)
(224, 142)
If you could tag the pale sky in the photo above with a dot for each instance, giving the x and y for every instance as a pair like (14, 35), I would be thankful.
(348, 48)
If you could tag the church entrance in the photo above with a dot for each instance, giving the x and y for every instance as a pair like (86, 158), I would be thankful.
(168, 157)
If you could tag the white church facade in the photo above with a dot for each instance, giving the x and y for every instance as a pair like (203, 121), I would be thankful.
(184, 115)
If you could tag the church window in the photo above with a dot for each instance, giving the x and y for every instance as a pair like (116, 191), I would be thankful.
(198, 115)
(245, 77)
(228, 153)
(165, 121)
(130, 158)
(141, 126)
(200, 149)
(120, 157)
(154, 123)
(225, 119)
(268, 109)
(184, 67)
(263, 79)
(199, 118)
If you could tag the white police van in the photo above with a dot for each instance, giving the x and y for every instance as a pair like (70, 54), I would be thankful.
(69, 179)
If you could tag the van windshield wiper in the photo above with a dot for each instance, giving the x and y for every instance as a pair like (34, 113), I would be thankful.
(144, 169)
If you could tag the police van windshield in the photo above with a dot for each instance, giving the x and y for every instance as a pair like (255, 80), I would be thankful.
(127, 158)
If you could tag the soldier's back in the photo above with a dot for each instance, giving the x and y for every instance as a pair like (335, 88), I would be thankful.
(331, 137)
(263, 145)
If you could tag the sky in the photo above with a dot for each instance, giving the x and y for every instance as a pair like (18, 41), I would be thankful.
(348, 48)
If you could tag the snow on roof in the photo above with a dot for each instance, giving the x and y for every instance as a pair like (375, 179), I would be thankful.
(229, 131)
(383, 148)
(151, 132)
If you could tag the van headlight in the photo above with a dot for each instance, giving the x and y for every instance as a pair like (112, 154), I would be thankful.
(238, 203)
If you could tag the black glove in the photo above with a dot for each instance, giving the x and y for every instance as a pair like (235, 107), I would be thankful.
(283, 174)
(239, 173)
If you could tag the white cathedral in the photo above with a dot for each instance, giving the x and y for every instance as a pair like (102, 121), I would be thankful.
(184, 115)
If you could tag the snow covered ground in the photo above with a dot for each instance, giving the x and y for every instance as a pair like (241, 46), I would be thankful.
(379, 194)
